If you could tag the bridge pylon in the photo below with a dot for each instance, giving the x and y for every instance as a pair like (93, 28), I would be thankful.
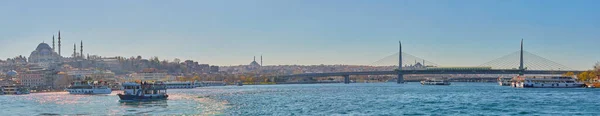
(521, 68)
(400, 79)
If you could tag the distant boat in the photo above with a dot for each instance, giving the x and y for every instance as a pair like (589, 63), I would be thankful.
(504, 81)
(180, 85)
(434, 82)
(135, 92)
(85, 87)
(13, 90)
(545, 82)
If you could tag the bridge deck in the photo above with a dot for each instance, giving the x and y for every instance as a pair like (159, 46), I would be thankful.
(495, 71)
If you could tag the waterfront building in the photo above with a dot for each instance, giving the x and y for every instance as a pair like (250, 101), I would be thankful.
(32, 78)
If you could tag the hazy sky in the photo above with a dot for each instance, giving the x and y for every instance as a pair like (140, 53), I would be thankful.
(231, 32)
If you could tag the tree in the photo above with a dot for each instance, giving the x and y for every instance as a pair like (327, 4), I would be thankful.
(583, 76)
(569, 74)
(177, 60)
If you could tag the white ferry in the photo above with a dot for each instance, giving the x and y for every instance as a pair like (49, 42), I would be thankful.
(435, 82)
(136, 92)
(89, 88)
(545, 82)
(504, 81)
(180, 85)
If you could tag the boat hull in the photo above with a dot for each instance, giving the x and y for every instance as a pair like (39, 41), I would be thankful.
(435, 83)
(136, 98)
(547, 85)
(90, 91)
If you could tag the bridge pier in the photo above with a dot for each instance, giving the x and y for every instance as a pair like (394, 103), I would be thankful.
(400, 79)
(346, 79)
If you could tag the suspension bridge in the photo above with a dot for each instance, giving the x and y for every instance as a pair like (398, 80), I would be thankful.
(520, 62)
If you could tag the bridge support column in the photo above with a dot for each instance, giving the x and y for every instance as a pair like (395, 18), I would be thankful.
(346, 79)
(400, 78)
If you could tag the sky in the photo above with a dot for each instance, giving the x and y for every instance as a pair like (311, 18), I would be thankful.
(306, 32)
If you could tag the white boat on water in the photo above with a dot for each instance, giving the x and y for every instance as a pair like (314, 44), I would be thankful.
(89, 88)
(180, 85)
(13, 90)
(504, 81)
(545, 82)
(435, 82)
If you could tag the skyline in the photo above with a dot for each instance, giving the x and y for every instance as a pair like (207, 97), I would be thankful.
(462, 33)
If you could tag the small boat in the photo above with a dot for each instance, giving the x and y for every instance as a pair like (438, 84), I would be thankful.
(86, 87)
(545, 82)
(504, 81)
(136, 92)
(434, 82)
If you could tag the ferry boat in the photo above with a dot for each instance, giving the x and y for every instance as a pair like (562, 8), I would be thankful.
(134, 92)
(545, 82)
(180, 85)
(434, 82)
(86, 87)
(13, 90)
(504, 81)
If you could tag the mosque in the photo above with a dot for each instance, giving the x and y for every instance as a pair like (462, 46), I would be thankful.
(45, 56)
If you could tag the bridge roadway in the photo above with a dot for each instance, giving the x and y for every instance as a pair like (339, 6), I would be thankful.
(493, 71)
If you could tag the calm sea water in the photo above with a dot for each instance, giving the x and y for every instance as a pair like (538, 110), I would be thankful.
(323, 99)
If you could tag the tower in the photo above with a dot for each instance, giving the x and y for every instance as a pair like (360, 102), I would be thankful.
(74, 50)
(59, 43)
(53, 47)
(254, 58)
(261, 61)
(521, 68)
(81, 49)
(400, 75)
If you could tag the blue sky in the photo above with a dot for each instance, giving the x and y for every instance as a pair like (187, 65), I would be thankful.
(230, 32)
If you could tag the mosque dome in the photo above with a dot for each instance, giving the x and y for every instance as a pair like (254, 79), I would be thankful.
(43, 46)
(254, 63)
(12, 73)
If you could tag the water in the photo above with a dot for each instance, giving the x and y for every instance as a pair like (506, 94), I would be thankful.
(323, 99)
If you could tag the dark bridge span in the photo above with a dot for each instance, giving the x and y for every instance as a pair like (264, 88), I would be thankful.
(425, 72)
(400, 72)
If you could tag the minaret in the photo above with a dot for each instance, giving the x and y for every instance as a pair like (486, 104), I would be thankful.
(261, 61)
(81, 50)
(53, 47)
(59, 43)
(254, 58)
(74, 50)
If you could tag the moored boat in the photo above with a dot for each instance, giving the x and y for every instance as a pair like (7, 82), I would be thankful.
(180, 85)
(13, 90)
(134, 92)
(434, 82)
(86, 87)
(545, 82)
(504, 81)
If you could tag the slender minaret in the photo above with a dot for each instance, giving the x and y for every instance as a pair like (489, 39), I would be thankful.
(74, 50)
(53, 47)
(81, 50)
(261, 61)
(59, 43)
